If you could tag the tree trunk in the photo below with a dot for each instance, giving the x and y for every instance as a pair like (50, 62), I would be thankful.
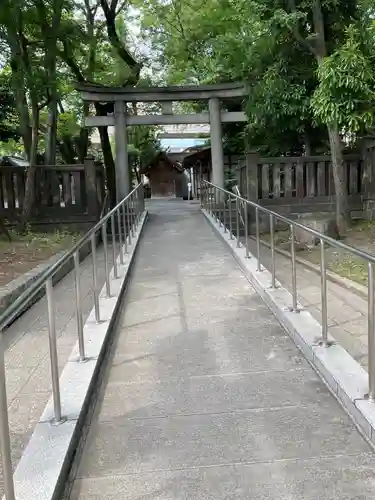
(67, 150)
(342, 207)
(18, 87)
(307, 143)
(136, 173)
(29, 198)
(109, 164)
(24, 118)
(51, 133)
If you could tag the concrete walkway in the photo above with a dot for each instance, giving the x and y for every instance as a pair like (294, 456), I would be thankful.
(205, 396)
(347, 311)
(27, 364)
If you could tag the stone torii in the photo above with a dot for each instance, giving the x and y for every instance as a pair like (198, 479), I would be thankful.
(117, 97)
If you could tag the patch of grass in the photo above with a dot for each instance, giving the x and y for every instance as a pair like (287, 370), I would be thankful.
(361, 235)
(40, 239)
(352, 268)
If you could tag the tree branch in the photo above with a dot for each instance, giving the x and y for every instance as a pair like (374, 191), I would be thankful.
(124, 54)
(65, 56)
(121, 7)
(296, 31)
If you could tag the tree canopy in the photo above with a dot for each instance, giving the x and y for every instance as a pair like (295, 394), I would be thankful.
(308, 66)
(48, 46)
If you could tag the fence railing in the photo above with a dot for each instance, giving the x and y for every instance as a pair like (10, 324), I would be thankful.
(298, 180)
(123, 220)
(61, 189)
(215, 200)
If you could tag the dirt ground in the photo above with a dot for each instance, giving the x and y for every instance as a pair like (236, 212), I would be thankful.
(25, 252)
(360, 235)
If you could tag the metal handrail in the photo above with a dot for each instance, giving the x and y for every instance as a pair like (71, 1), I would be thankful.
(215, 192)
(324, 237)
(18, 305)
(128, 214)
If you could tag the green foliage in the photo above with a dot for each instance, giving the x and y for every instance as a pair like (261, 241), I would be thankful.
(42, 64)
(297, 81)
(8, 119)
(346, 91)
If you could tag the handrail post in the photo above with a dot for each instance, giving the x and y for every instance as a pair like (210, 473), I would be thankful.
(106, 267)
(224, 215)
(127, 204)
(294, 269)
(219, 208)
(257, 230)
(123, 211)
(370, 332)
(216, 205)
(138, 208)
(237, 222)
(133, 214)
(6, 450)
(323, 284)
(95, 279)
(81, 342)
(53, 353)
(135, 210)
(273, 260)
(118, 218)
(113, 234)
(230, 218)
(246, 215)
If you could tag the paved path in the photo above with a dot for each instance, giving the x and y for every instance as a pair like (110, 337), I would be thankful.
(205, 396)
(347, 311)
(27, 362)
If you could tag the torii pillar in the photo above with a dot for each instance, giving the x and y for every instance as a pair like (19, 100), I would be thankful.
(121, 148)
(217, 155)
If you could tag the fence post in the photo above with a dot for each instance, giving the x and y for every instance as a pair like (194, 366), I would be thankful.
(90, 185)
(368, 179)
(252, 181)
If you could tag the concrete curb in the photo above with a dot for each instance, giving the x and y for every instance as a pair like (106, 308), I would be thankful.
(346, 379)
(44, 466)
(345, 283)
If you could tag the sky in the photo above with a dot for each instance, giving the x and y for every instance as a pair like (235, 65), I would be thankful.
(180, 144)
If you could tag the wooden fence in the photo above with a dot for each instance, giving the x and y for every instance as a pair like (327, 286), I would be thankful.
(61, 191)
(299, 183)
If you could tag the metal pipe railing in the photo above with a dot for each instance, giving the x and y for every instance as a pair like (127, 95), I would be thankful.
(323, 240)
(130, 208)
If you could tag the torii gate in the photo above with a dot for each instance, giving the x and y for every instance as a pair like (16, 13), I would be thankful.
(119, 96)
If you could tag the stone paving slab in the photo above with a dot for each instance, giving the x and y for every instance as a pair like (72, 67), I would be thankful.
(27, 364)
(205, 396)
(210, 394)
(337, 478)
(347, 311)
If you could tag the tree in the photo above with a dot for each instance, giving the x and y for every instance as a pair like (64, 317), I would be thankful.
(308, 64)
(47, 46)
(89, 63)
(320, 29)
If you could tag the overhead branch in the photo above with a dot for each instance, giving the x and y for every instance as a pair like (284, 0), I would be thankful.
(121, 7)
(124, 54)
(296, 30)
(69, 60)
(44, 103)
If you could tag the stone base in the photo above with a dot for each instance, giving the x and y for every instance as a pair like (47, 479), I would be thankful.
(321, 223)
